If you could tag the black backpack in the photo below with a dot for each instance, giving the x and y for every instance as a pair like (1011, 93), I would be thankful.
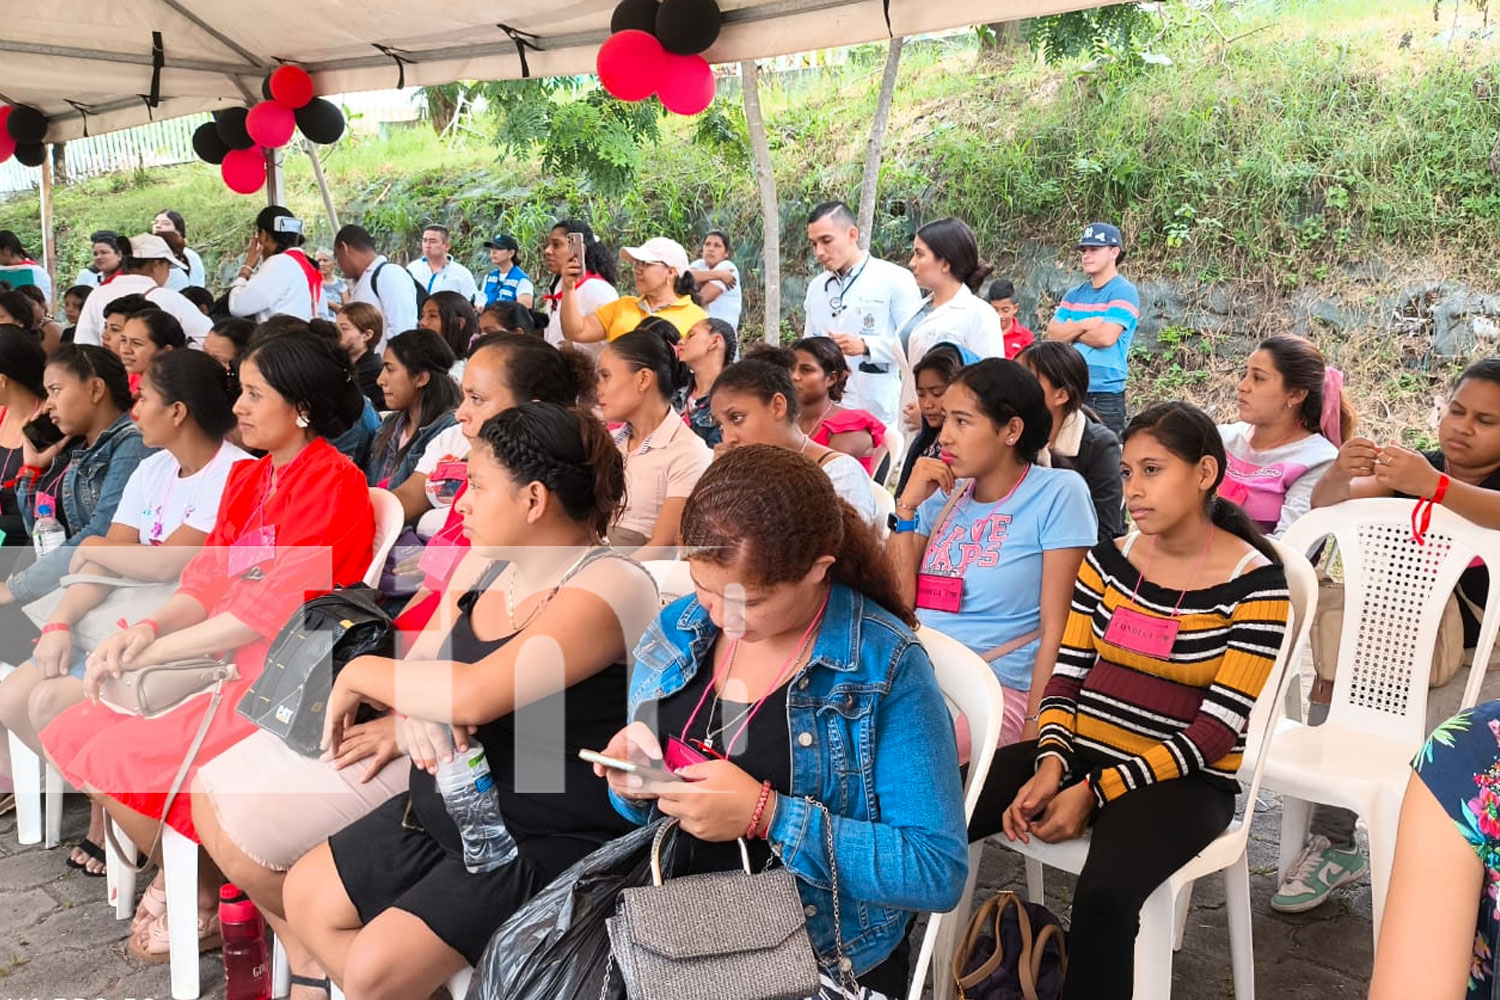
(422, 293)
(290, 698)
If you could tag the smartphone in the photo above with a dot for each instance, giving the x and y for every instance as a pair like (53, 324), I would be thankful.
(614, 763)
(575, 246)
(42, 433)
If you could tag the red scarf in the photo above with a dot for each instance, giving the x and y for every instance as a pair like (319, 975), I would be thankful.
(314, 276)
(554, 299)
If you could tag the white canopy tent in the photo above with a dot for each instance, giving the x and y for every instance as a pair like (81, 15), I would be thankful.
(92, 65)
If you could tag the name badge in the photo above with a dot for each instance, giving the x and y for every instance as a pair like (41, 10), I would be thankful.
(252, 549)
(443, 552)
(940, 593)
(679, 755)
(1142, 633)
(446, 480)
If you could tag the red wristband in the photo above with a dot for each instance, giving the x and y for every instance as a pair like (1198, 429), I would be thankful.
(155, 628)
(51, 627)
(760, 807)
(1442, 488)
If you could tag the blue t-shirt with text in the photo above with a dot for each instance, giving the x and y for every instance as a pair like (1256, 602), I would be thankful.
(997, 549)
(1115, 302)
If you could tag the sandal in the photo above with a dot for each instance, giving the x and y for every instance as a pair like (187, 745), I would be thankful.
(324, 984)
(155, 945)
(153, 907)
(7, 802)
(93, 853)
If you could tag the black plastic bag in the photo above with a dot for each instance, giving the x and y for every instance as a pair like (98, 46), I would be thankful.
(555, 947)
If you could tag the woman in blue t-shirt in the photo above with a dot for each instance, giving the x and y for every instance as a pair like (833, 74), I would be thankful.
(986, 542)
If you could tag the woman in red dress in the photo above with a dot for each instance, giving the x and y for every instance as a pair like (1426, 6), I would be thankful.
(291, 525)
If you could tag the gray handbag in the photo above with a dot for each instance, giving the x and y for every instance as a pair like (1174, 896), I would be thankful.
(728, 935)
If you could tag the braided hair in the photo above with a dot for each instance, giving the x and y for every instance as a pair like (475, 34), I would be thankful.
(565, 449)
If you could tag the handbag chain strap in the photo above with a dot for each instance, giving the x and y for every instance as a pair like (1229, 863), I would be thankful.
(847, 982)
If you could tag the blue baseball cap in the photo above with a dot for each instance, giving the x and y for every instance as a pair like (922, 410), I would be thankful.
(1100, 234)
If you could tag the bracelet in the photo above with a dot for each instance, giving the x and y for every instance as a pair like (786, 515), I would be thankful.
(1033, 718)
(905, 506)
(155, 628)
(51, 627)
(760, 807)
(1442, 488)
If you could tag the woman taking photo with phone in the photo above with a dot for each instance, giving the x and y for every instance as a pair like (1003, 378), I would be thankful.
(737, 680)
(276, 278)
(666, 288)
(594, 284)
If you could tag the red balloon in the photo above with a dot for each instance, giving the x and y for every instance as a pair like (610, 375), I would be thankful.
(271, 124)
(631, 65)
(687, 87)
(7, 144)
(291, 87)
(244, 170)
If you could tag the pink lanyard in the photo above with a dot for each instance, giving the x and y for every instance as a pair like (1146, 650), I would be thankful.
(786, 669)
(1146, 564)
(936, 538)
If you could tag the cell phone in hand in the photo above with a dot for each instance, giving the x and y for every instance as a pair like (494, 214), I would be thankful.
(575, 246)
(645, 771)
(41, 432)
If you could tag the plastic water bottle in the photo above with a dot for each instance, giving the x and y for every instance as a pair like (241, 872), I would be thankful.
(468, 790)
(247, 962)
(47, 533)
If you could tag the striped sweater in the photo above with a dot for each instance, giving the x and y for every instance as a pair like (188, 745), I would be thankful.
(1158, 719)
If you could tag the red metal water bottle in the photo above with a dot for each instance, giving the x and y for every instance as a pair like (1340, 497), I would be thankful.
(247, 964)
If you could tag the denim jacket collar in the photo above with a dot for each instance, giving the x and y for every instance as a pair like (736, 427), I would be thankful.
(837, 649)
(102, 442)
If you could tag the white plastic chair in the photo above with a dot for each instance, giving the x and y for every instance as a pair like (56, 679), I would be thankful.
(389, 520)
(971, 689)
(894, 448)
(32, 775)
(1394, 592)
(673, 579)
(1164, 915)
(179, 860)
(885, 506)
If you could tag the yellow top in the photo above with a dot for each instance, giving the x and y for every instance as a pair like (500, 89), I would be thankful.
(629, 311)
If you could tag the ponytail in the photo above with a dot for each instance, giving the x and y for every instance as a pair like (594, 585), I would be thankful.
(1191, 435)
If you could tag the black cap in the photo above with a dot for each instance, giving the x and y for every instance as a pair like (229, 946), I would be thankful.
(503, 241)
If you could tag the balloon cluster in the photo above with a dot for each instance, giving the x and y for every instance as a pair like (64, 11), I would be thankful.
(21, 132)
(656, 48)
(237, 139)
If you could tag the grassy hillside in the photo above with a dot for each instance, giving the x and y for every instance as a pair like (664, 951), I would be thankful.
(1288, 141)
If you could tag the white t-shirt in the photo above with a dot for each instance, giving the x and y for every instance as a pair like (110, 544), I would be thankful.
(965, 319)
(279, 285)
(396, 298)
(592, 293)
(453, 277)
(447, 445)
(178, 279)
(90, 328)
(158, 499)
(852, 483)
(727, 305)
(874, 300)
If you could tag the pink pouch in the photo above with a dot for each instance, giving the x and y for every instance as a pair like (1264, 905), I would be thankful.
(940, 593)
(679, 755)
(1142, 633)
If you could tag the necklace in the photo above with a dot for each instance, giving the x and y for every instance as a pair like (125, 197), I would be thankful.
(805, 442)
(822, 416)
(510, 593)
(749, 710)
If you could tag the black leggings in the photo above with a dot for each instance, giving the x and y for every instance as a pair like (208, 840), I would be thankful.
(1139, 840)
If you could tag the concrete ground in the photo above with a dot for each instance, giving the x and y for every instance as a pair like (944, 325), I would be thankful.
(59, 939)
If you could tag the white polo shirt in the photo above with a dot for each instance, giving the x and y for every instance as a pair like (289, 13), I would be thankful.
(453, 277)
(90, 329)
(872, 301)
(396, 298)
(279, 285)
(965, 319)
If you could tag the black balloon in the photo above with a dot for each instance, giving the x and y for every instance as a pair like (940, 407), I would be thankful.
(688, 27)
(321, 121)
(27, 126)
(231, 127)
(208, 144)
(637, 15)
(32, 154)
(265, 87)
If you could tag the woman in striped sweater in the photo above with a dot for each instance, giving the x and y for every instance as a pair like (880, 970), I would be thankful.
(1172, 633)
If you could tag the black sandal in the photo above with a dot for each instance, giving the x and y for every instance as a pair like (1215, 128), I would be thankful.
(324, 984)
(94, 852)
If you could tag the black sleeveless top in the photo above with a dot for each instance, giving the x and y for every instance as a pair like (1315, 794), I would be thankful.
(557, 797)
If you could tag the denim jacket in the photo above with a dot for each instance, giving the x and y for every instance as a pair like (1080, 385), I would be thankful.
(91, 491)
(873, 741)
(424, 435)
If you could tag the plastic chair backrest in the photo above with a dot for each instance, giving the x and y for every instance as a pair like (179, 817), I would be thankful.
(895, 447)
(389, 519)
(673, 580)
(1394, 594)
(969, 686)
(1302, 589)
(885, 506)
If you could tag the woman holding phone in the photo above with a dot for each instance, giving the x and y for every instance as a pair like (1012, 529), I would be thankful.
(593, 286)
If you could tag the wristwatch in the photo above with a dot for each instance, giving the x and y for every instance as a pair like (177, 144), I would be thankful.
(899, 526)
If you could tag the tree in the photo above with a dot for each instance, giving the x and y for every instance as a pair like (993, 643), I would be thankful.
(875, 147)
(1096, 31)
(770, 207)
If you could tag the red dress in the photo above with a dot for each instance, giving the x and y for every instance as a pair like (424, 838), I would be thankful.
(321, 506)
(848, 421)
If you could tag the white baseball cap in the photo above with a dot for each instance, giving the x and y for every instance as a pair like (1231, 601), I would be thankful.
(149, 246)
(660, 250)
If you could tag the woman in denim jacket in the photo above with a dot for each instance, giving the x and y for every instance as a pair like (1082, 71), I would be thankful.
(806, 701)
(88, 397)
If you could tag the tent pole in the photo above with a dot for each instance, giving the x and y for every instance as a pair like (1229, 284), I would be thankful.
(49, 238)
(275, 182)
(333, 216)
